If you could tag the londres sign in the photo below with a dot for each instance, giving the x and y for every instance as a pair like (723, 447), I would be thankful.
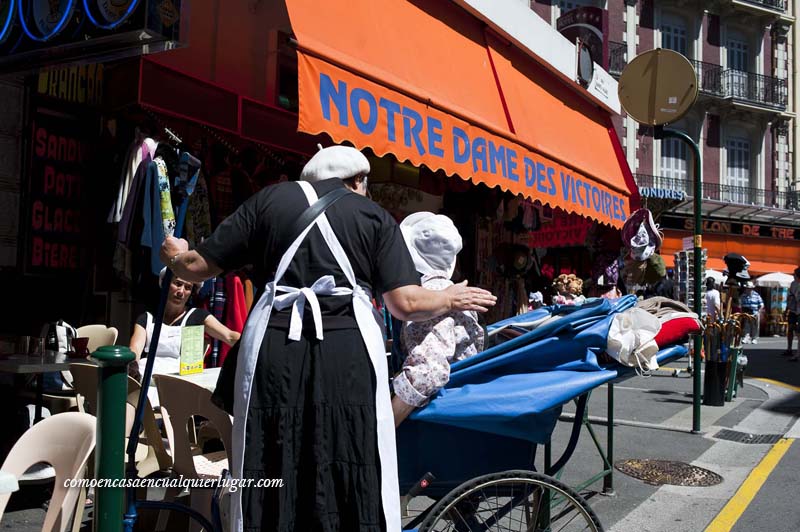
(35, 33)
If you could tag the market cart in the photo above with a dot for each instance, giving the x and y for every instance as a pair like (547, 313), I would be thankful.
(472, 448)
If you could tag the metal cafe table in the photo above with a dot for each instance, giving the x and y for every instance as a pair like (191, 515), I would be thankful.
(36, 365)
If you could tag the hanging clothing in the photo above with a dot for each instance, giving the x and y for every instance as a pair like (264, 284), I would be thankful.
(152, 227)
(198, 217)
(218, 309)
(168, 352)
(221, 193)
(165, 198)
(138, 152)
(248, 294)
(130, 224)
(235, 310)
(314, 408)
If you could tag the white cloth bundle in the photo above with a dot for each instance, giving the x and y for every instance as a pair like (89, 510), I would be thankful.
(433, 241)
(631, 338)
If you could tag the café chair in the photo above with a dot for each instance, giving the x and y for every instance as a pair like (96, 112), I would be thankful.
(65, 441)
(151, 454)
(98, 335)
(180, 401)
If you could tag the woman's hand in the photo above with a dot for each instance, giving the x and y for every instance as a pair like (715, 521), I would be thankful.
(463, 297)
(172, 247)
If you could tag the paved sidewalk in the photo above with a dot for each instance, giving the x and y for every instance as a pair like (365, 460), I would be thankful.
(653, 419)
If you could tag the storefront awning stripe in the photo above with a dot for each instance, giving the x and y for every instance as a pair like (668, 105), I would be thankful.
(766, 255)
(393, 76)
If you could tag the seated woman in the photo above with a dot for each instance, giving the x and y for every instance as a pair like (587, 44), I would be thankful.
(176, 316)
(432, 345)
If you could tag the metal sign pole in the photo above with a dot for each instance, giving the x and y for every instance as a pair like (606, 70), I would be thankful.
(661, 133)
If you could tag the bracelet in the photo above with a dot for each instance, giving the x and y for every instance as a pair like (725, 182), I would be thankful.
(173, 259)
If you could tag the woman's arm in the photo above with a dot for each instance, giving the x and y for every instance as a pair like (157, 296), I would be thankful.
(217, 330)
(414, 303)
(189, 265)
(138, 339)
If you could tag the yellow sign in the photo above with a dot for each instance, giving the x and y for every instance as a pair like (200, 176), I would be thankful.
(76, 84)
(191, 349)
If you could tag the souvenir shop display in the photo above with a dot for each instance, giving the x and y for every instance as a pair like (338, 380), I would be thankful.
(684, 276)
(641, 239)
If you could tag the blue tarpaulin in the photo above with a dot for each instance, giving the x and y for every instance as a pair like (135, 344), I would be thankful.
(516, 388)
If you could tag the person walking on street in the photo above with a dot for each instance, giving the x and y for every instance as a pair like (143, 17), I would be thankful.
(752, 304)
(792, 310)
(713, 301)
(311, 400)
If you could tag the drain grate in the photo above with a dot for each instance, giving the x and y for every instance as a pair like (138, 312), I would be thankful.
(659, 472)
(743, 437)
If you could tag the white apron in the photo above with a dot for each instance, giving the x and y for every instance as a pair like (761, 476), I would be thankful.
(168, 353)
(281, 297)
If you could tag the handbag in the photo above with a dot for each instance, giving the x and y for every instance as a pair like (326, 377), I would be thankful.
(223, 393)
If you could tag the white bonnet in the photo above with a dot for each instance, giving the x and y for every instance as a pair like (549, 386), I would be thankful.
(433, 241)
(343, 162)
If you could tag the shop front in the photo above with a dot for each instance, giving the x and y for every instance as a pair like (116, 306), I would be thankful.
(538, 155)
(769, 248)
(473, 117)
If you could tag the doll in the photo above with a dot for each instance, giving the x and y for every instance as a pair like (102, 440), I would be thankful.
(569, 288)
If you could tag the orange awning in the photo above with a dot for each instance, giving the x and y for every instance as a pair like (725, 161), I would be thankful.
(764, 255)
(433, 86)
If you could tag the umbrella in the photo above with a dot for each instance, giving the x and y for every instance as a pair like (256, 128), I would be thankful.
(777, 279)
(718, 277)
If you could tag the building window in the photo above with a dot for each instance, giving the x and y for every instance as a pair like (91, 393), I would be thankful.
(673, 35)
(674, 156)
(737, 176)
(738, 53)
(738, 65)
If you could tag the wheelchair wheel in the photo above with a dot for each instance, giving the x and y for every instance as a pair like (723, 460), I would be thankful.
(512, 501)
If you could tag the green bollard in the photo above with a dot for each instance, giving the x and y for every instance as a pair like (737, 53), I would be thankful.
(112, 396)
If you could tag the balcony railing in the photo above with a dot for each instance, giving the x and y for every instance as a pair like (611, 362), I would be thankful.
(754, 88)
(777, 5)
(740, 85)
(709, 77)
(617, 57)
(722, 192)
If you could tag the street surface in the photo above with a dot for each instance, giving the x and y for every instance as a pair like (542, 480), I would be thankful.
(653, 419)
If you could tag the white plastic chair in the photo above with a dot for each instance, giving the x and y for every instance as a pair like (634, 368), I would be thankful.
(180, 400)
(151, 455)
(64, 441)
(98, 335)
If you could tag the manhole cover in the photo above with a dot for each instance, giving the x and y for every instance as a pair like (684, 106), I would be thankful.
(658, 472)
(743, 437)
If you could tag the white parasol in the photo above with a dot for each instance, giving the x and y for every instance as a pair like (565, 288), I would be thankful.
(718, 277)
(777, 279)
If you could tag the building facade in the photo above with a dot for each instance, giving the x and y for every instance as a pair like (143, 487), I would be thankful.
(744, 118)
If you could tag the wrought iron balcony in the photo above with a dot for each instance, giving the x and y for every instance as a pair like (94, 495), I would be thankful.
(722, 192)
(617, 57)
(709, 77)
(776, 5)
(756, 89)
